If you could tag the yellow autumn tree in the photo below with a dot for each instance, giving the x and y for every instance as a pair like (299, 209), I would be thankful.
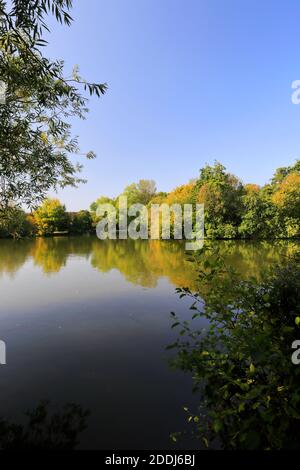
(50, 217)
(251, 188)
(287, 196)
(181, 195)
(287, 200)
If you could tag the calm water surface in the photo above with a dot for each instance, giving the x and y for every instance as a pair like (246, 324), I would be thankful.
(88, 321)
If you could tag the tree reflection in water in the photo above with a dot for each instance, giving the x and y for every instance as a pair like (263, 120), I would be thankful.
(43, 430)
(141, 262)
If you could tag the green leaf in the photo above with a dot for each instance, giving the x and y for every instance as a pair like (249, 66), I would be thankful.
(218, 426)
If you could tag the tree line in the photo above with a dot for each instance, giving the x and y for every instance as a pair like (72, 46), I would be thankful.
(37, 148)
(233, 210)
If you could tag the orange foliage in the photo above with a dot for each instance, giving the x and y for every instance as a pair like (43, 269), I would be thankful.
(252, 188)
(288, 193)
(210, 195)
(181, 195)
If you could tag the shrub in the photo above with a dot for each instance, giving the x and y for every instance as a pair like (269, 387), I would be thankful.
(241, 364)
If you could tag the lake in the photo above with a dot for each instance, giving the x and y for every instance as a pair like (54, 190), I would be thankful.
(88, 321)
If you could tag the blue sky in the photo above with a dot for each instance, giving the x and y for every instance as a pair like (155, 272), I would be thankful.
(190, 82)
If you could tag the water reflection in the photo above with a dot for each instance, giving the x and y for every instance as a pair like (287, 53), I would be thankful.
(87, 321)
(45, 430)
(140, 262)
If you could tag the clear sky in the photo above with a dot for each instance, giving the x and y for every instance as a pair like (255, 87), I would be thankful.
(190, 81)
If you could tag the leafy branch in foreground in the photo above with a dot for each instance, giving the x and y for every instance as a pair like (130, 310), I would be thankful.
(35, 130)
(240, 359)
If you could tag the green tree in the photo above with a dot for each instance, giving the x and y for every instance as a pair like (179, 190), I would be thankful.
(259, 217)
(36, 145)
(282, 172)
(94, 206)
(16, 223)
(51, 217)
(221, 193)
(81, 222)
(101, 200)
(141, 192)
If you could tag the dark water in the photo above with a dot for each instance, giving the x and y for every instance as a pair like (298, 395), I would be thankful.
(88, 321)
